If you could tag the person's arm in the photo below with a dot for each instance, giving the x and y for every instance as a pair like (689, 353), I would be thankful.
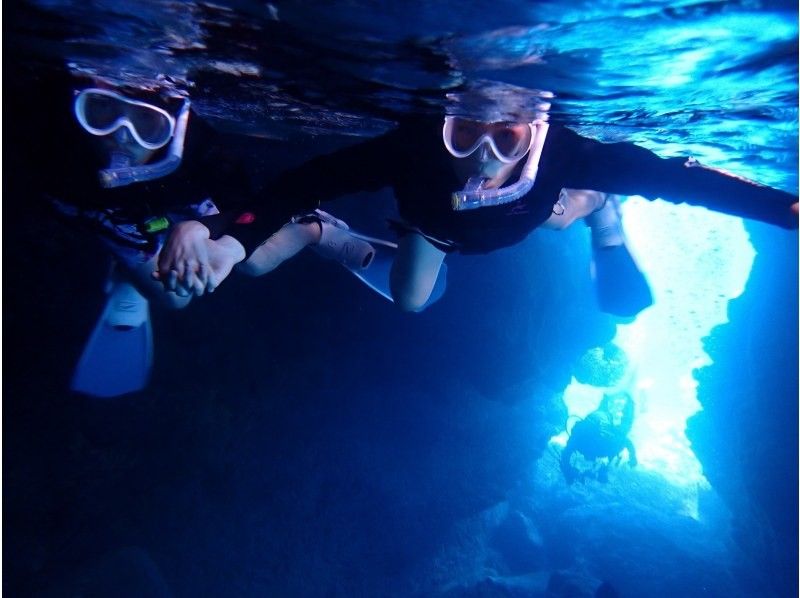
(184, 260)
(365, 166)
(627, 169)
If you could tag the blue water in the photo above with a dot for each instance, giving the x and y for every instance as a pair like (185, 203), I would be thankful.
(718, 78)
(301, 438)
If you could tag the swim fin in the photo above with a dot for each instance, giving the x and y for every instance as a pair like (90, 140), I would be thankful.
(118, 357)
(368, 258)
(622, 289)
(377, 274)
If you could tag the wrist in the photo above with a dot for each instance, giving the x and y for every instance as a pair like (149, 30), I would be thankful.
(195, 228)
(233, 246)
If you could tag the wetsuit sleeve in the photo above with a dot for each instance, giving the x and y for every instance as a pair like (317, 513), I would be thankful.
(627, 169)
(361, 167)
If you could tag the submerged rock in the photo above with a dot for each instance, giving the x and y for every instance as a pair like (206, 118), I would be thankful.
(602, 366)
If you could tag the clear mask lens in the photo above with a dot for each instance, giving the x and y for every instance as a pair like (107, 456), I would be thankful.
(508, 141)
(102, 112)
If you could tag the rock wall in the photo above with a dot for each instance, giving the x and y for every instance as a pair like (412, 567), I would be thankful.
(746, 435)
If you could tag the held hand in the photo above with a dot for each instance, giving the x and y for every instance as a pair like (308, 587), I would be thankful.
(184, 254)
(191, 264)
(223, 254)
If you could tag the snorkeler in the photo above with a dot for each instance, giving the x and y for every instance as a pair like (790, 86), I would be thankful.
(486, 184)
(136, 167)
(126, 180)
(138, 141)
(601, 438)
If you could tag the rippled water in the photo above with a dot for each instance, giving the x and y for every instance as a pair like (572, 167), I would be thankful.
(715, 79)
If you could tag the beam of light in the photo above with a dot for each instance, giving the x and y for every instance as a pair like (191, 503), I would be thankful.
(696, 261)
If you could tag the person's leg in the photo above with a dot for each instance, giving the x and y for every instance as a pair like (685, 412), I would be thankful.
(338, 243)
(284, 244)
(606, 224)
(414, 271)
(622, 289)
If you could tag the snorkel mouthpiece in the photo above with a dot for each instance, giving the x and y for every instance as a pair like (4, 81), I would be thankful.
(474, 196)
(477, 197)
(475, 183)
(120, 160)
(119, 175)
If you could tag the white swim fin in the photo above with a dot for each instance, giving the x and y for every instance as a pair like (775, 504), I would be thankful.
(118, 356)
(368, 258)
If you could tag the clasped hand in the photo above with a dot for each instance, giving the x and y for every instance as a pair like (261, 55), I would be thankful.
(190, 263)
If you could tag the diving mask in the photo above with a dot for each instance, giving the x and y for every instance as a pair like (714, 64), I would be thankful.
(102, 112)
(509, 142)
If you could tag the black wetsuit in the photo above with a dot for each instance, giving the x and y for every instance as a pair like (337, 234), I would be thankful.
(413, 161)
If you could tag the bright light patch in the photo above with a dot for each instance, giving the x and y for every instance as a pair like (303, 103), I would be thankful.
(696, 261)
(683, 67)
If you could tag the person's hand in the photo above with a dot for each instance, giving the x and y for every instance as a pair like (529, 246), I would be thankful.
(190, 263)
(223, 255)
(215, 260)
(183, 262)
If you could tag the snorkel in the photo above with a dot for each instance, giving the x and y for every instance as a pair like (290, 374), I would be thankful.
(121, 173)
(474, 196)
